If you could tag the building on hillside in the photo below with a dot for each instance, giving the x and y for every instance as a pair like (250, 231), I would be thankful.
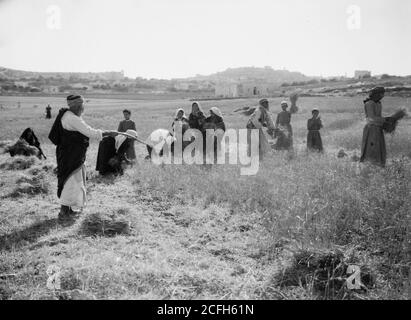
(227, 90)
(21, 83)
(51, 89)
(251, 89)
(233, 90)
(362, 74)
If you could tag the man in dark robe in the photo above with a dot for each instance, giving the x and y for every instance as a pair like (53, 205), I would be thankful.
(71, 136)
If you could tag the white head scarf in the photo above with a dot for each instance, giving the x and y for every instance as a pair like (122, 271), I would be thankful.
(178, 110)
(200, 109)
(120, 138)
(217, 112)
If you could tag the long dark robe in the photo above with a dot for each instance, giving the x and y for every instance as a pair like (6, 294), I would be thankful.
(314, 142)
(123, 127)
(196, 121)
(373, 147)
(108, 159)
(284, 132)
(48, 113)
(70, 151)
(215, 123)
(29, 136)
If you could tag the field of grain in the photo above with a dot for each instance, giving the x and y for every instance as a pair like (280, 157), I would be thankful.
(206, 233)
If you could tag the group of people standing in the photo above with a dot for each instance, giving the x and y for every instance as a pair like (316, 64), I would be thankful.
(282, 129)
(71, 136)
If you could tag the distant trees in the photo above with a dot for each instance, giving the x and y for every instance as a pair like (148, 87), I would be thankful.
(300, 83)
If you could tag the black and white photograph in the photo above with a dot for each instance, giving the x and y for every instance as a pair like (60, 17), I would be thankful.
(222, 152)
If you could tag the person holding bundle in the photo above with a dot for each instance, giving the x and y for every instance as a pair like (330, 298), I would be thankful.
(373, 148)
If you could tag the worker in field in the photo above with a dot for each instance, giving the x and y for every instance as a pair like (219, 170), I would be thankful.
(128, 124)
(48, 112)
(373, 147)
(71, 135)
(180, 121)
(260, 118)
(284, 130)
(214, 125)
(179, 126)
(197, 117)
(314, 125)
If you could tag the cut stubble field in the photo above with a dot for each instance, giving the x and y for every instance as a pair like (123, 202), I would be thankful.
(195, 232)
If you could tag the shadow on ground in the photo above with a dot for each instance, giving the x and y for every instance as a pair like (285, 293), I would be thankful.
(30, 234)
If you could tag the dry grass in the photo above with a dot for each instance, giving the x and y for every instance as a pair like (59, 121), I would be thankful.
(18, 163)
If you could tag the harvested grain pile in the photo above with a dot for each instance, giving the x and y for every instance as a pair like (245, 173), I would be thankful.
(97, 224)
(19, 163)
(48, 167)
(324, 272)
(390, 123)
(30, 185)
(22, 148)
(4, 146)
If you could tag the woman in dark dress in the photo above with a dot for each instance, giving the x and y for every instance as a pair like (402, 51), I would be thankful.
(214, 122)
(128, 124)
(314, 125)
(197, 117)
(373, 147)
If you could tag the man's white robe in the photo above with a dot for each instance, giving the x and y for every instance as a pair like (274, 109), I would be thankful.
(74, 190)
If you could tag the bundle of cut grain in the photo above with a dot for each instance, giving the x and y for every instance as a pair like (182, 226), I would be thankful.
(342, 154)
(96, 224)
(325, 271)
(22, 148)
(293, 99)
(19, 163)
(390, 123)
(246, 111)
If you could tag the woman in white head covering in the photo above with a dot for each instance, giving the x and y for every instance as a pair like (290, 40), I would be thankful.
(180, 121)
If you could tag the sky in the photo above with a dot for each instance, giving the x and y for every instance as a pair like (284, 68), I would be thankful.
(181, 38)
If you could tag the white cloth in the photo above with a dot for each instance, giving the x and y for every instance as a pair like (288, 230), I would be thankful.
(158, 138)
(217, 112)
(121, 138)
(74, 190)
(72, 122)
(264, 115)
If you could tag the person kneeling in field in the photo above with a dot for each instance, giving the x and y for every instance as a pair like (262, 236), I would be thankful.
(71, 135)
(27, 145)
(314, 125)
(112, 154)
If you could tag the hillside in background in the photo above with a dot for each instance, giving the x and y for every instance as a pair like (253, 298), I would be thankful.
(266, 74)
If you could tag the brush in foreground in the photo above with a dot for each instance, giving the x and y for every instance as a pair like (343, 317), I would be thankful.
(30, 185)
(325, 272)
